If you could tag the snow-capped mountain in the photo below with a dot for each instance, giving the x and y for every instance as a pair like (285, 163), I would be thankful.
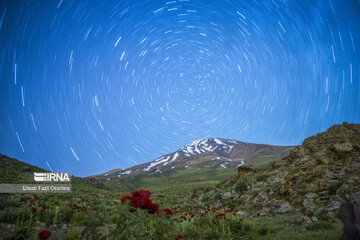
(214, 152)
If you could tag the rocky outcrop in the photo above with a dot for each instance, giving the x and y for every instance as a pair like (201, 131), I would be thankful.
(314, 179)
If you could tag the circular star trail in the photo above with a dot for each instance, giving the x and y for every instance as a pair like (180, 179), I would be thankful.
(87, 86)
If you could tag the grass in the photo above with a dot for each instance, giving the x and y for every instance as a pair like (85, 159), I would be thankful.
(184, 180)
(98, 214)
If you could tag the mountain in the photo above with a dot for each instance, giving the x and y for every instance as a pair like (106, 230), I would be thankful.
(212, 152)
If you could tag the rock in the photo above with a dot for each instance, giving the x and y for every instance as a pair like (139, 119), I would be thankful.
(314, 219)
(241, 213)
(324, 195)
(309, 212)
(261, 198)
(311, 195)
(226, 196)
(350, 216)
(343, 147)
(234, 195)
(333, 206)
(64, 228)
(281, 207)
(280, 177)
(308, 203)
(302, 220)
(325, 215)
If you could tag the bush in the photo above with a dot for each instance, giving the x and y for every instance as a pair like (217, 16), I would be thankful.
(320, 225)
(333, 188)
(240, 187)
(262, 178)
(218, 196)
(205, 198)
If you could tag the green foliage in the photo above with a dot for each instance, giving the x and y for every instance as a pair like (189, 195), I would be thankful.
(218, 196)
(261, 178)
(333, 188)
(240, 187)
(205, 198)
(320, 226)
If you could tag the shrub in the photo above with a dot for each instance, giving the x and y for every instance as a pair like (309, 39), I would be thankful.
(240, 187)
(319, 226)
(217, 196)
(333, 188)
(205, 198)
(262, 178)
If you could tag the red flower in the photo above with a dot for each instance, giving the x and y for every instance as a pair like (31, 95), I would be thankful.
(168, 211)
(124, 198)
(258, 214)
(177, 237)
(153, 209)
(43, 234)
(133, 200)
(136, 194)
(145, 194)
(115, 202)
(36, 197)
(33, 210)
(144, 203)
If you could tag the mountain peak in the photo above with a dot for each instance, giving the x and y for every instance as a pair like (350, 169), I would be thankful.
(210, 152)
(208, 145)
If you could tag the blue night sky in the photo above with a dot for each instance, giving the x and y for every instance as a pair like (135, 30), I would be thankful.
(88, 86)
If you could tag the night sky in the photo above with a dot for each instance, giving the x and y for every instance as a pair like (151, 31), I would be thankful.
(88, 86)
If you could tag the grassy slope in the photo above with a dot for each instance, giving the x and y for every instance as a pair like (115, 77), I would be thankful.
(15, 171)
(200, 174)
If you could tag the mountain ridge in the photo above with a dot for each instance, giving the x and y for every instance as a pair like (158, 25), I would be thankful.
(228, 153)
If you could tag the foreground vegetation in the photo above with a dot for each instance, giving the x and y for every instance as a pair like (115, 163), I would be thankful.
(102, 215)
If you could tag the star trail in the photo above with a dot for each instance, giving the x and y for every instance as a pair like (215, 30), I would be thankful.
(88, 86)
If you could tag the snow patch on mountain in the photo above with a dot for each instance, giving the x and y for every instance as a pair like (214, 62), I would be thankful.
(124, 173)
(223, 165)
(173, 159)
(197, 147)
(206, 145)
(242, 163)
(156, 162)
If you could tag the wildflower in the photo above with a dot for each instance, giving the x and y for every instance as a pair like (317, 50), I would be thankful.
(124, 198)
(136, 194)
(36, 198)
(44, 234)
(145, 194)
(144, 203)
(168, 211)
(33, 210)
(153, 209)
(258, 214)
(115, 202)
(133, 200)
(177, 237)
